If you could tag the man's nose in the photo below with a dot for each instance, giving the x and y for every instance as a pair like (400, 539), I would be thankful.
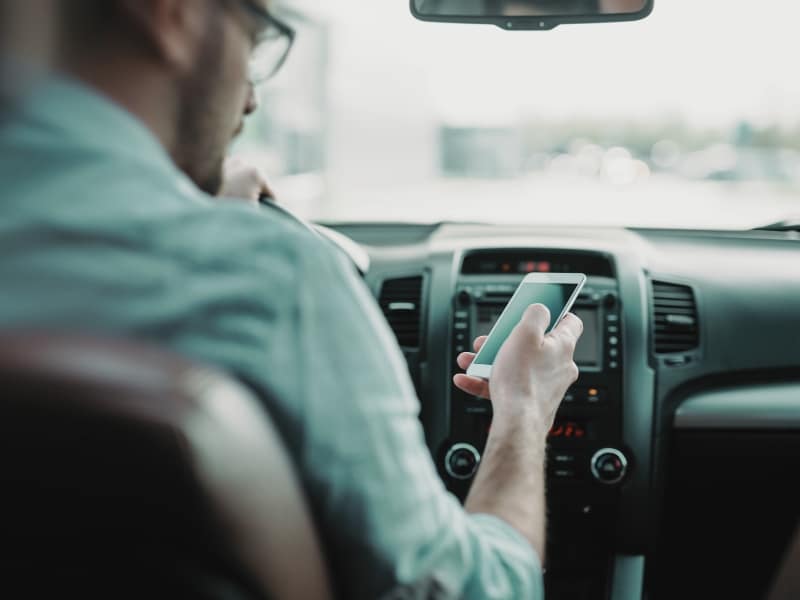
(252, 102)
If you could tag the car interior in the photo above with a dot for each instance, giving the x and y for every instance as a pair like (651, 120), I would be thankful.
(672, 465)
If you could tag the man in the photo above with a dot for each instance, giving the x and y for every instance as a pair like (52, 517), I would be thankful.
(102, 231)
(26, 44)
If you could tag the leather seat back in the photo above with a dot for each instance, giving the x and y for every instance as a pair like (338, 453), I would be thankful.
(126, 471)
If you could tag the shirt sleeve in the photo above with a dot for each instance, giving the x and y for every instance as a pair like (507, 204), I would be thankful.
(281, 308)
(386, 517)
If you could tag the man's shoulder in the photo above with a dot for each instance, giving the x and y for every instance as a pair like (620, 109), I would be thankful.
(239, 235)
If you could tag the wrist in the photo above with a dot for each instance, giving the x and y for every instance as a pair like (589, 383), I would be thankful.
(526, 426)
(524, 414)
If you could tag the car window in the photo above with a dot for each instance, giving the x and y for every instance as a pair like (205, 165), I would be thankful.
(689, 118)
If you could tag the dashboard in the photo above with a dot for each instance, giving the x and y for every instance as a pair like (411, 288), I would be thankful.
(684, 423)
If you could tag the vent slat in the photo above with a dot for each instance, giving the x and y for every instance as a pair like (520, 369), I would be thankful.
(400, 300)
(663, 312)
(670, 302)
(675, 325)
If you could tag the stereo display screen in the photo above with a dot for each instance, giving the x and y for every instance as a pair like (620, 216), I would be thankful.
(588, 351)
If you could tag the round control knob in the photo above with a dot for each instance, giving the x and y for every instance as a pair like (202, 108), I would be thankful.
(464, 298)
(609, 466)
(610, 300)
(462, 461)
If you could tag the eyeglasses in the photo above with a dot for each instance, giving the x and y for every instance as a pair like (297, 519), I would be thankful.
(272, 45)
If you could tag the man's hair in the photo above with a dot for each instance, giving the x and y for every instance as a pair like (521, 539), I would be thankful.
(83, 22)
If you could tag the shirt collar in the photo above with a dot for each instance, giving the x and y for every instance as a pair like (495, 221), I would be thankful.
(85, 116)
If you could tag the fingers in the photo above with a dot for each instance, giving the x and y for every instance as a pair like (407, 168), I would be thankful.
(244, 181)
(535, 321)
(266, 190)
(472, 385)
(464, 360)
(569, 329)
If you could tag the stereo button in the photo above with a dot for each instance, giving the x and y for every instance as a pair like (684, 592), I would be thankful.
(610, 300)
(562, 458)
(595, 395)
(564, 473)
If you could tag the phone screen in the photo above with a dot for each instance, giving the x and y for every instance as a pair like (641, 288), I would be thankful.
(554, 296)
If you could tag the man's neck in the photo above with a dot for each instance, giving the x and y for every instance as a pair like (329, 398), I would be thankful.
(138, 88)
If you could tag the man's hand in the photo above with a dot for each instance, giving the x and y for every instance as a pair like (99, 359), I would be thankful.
(244, 181)
(532, 370)
(529, 378)
(535, 366)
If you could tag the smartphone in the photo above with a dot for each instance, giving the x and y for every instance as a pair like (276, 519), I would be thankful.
(557, 291)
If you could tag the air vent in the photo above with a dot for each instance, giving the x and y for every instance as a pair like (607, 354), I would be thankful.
(400, 301)
(675, 318)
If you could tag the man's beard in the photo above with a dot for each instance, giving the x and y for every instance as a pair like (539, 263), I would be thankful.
(202, 140)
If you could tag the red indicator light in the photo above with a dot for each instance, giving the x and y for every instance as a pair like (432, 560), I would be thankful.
(579, 432)
(530, 266)
(544, 267)
(557, 431)
(505, 267)
(569, 431)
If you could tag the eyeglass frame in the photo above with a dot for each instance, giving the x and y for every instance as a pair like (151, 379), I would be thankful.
(283, 29)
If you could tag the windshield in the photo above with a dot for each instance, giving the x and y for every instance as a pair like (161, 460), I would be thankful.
(690, 118)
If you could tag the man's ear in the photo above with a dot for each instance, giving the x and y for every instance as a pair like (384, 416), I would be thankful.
(174, 28)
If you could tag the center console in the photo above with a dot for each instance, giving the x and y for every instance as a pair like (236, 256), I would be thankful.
(587, 460)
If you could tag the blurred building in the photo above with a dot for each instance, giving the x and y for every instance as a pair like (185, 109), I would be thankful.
(484, 152)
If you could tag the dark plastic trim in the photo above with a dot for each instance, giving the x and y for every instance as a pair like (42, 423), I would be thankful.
(754, 407)
(628, 579)
(536, 23)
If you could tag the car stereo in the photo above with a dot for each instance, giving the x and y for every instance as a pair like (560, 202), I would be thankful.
(586, 459)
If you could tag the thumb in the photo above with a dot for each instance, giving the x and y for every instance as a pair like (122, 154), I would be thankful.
(529, 333)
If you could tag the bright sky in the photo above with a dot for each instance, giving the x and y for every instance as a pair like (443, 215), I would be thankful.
(714, 61)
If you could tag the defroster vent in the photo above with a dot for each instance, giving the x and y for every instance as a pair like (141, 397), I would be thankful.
(401, 301)
(675, 318)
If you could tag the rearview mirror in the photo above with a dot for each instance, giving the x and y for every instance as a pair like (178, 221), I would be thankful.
(530, 14)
